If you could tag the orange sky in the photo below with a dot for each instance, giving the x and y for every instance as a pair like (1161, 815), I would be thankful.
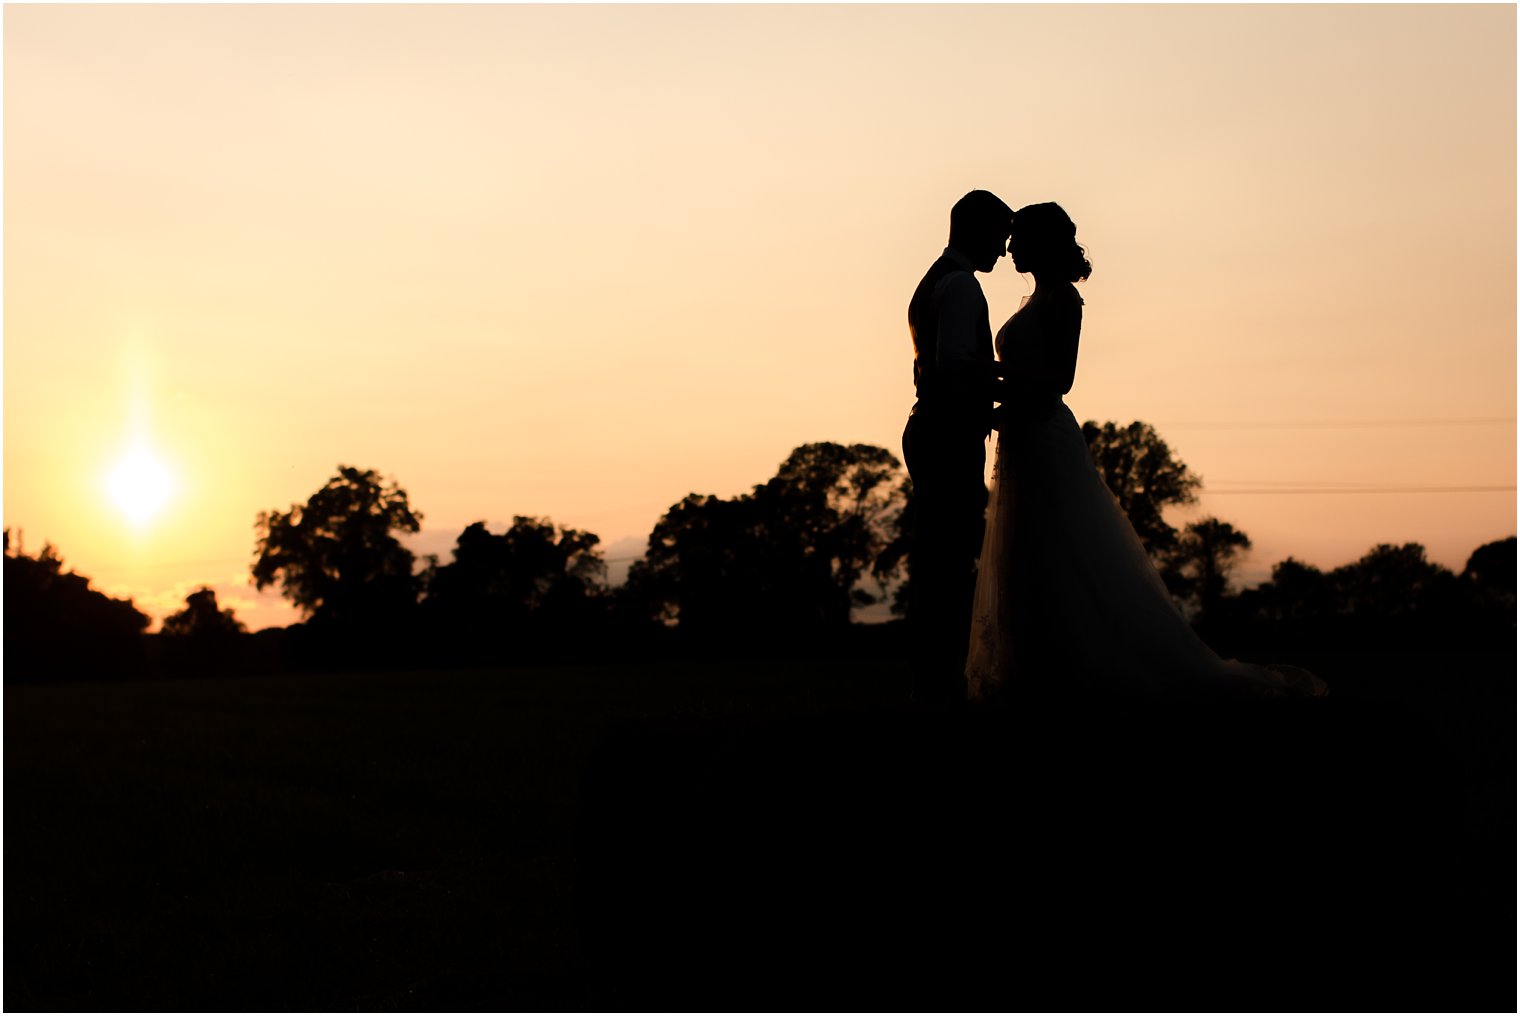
(579, 261)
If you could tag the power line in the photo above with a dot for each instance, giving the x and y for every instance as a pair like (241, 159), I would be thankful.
(1364, 490)
(1471, 421)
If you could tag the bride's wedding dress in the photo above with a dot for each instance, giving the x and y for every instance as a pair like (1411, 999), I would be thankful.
(1067, 600)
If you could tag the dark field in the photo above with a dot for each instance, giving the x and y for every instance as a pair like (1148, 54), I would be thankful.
(757, 835)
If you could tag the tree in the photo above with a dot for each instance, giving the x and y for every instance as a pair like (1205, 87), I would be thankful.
(1489, 577)
(203, 639)
(537, 572)
(890, 566)
(1204, 556)
(336, 557)
(56, 624)
(842, 501)
(203, 619)
(708, 569)
(787, 558)
(1146, 477)
(1297, 593)
(1492, 566)
(1389, 581)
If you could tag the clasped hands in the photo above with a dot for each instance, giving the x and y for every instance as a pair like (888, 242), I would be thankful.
(1020, 389)
(996, 375)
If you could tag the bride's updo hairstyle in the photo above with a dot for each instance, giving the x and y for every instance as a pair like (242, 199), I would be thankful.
(1047, 241)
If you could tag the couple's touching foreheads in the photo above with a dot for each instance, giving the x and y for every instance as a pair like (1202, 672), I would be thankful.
(1040, 587)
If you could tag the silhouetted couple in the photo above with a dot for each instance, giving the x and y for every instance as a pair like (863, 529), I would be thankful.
(1043, 586)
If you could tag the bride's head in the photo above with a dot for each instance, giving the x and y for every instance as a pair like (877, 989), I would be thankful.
(1045, 243)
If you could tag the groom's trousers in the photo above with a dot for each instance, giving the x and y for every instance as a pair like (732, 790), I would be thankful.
(946, 456)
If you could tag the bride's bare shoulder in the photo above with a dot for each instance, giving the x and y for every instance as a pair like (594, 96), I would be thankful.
(1062, 299)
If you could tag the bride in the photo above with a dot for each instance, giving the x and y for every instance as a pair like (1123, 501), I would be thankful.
(1067, 599)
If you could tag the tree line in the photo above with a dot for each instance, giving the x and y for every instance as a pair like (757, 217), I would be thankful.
(779, 569)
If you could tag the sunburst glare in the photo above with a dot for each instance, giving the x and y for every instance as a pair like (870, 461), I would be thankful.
(139, 485)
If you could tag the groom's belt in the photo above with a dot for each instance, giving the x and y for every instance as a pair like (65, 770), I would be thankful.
(951, 410)
(965, 387)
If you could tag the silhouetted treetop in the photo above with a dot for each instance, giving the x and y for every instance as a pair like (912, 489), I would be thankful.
(891, 565)
(843, 500)
(1297, 592)
(336, 557)
(1493, 565)
(530, 566)
(1204, 556)
(202, 618)
(1387, 580)
(533, 590)
(1140, 469)
(788, 556)
(54, 621)
(39, 591)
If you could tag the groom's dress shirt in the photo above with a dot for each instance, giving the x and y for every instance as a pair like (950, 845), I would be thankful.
(952, 338)
(961, 306)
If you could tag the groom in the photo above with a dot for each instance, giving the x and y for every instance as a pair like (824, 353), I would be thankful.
(944, 443)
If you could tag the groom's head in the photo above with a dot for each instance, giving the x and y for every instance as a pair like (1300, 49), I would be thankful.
(980, 227)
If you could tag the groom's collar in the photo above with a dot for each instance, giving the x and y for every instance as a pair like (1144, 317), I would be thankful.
(960, 259)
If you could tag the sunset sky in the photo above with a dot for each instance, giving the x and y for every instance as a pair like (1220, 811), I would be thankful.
(579, 261)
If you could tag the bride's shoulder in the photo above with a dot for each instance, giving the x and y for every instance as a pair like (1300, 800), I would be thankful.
(1061, 299)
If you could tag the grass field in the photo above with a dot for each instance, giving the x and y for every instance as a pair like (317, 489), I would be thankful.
(736, 835)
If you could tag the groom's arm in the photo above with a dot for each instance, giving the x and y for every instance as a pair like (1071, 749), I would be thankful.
(962, 309)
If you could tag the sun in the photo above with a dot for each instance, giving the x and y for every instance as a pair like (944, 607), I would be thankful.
(139, 485)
